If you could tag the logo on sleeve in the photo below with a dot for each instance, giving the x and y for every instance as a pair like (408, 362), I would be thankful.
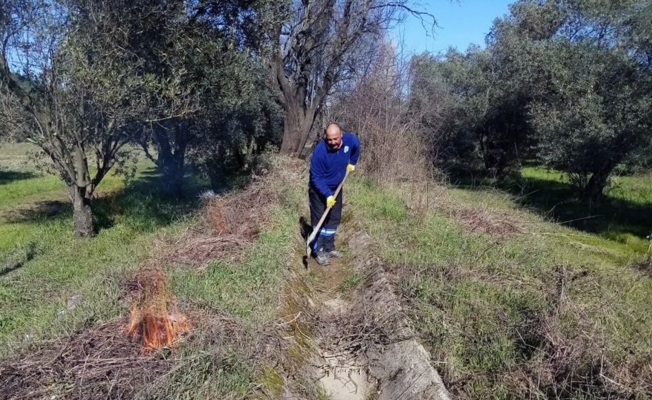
(346, 149)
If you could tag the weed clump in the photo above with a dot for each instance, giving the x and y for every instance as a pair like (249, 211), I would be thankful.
(483, 221)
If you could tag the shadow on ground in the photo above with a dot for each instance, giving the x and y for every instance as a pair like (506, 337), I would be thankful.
(10, 176)
(304, 227)
(143, 204)
(611, 217)
(38, 211)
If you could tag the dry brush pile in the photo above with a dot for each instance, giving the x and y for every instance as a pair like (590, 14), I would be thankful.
(113, 360)
(231, 221)
(97, 364)
(133, 356)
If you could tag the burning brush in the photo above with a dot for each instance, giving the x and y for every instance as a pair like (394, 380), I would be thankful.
(155, 319)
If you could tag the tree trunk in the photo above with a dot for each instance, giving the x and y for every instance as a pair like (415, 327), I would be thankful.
(81, 211)
(171, 161)
(293, 132)
(172, 166)
(297, 124)
(594, 188)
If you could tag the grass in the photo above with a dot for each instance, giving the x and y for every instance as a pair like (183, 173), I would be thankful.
(624, 215)
(33, 297)
(488, 306)
(62, 285)
(543, 309)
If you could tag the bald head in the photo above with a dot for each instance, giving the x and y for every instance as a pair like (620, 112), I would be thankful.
(334, 136)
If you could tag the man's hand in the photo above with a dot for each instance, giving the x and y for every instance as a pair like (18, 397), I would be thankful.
(350, 168)
(330, 201)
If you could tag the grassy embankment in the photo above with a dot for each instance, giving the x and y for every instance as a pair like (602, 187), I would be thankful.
(509, 303)
(59, 286)
(512, 304)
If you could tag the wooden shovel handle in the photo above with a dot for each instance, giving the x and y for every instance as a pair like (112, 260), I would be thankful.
(323, 217)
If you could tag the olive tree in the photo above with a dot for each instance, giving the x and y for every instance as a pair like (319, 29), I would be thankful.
(592, 110)
(312, 47)
(70, 85)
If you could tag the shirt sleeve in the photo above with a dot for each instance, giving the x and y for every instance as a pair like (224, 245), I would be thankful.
(317, 172)
(355, 150)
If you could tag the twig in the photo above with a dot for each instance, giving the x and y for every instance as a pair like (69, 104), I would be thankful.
(580, 219)
(290, 321)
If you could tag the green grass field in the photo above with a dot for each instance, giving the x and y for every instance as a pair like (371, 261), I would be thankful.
(510, 299)
(624, 215)
(36, 229)
(509, 304)
(64, 285)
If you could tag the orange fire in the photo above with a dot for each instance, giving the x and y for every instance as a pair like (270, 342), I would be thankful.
(154, 318)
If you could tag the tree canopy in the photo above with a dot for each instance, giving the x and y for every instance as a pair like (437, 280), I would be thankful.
(567, 83)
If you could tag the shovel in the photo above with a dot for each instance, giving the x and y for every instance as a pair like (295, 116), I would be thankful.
(321, 221)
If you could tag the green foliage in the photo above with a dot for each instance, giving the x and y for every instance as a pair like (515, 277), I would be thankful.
(565, 82)
(485, 119)
(212, 87)
(237, 131)
(485, 304)
(594, 112)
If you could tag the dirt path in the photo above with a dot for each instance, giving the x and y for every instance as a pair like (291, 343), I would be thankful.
(362, 345)
(344, 376)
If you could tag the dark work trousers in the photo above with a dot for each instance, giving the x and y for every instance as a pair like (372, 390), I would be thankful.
(325, 239)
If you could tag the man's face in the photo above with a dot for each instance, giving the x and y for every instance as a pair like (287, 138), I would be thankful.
(333, 138)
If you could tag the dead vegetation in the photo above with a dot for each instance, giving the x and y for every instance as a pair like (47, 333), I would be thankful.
(138, 357)
(372, 320)
(569, 363)
(561, 351)
(107, 361)
(97, 364)
(156, 321)
(423, 197)
(231, 221)
(495, 223)
(645, 265)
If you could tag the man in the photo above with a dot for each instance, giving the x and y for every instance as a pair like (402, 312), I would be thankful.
(332, 157)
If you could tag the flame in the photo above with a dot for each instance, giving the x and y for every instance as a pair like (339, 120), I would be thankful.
(151, 320)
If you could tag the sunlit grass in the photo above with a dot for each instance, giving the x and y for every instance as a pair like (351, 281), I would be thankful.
(54, 269)
(479, 300)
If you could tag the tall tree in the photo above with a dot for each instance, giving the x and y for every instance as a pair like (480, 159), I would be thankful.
(69, 84)
(592, 110)
(198, 46)
(485, 117)
(311, 47)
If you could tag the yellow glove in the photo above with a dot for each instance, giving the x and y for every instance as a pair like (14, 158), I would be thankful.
(330, 201)
(350, 167)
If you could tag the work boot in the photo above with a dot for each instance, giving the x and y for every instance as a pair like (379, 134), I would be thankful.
(335, 254)
(322, 258)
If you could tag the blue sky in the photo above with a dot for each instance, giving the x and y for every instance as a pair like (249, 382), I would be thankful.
(460, 23)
